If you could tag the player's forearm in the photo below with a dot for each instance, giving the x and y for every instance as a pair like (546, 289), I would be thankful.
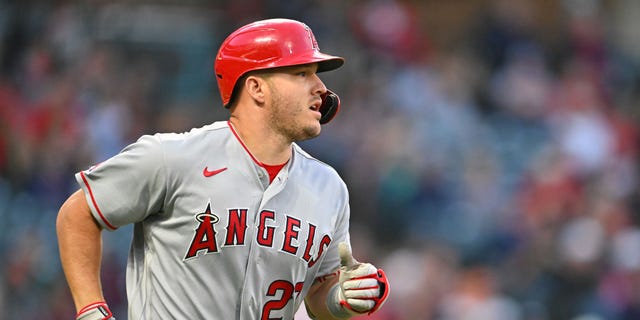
(316, 300)
(80, 245)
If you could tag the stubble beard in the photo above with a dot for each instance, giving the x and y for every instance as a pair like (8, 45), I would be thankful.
(287, 122)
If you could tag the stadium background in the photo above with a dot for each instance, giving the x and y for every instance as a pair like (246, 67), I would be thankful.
(490, 146)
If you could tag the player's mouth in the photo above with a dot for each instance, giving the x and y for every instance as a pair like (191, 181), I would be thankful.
(316, 107)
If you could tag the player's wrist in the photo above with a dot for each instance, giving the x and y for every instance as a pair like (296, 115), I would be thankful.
(98, 310)
(336, 305)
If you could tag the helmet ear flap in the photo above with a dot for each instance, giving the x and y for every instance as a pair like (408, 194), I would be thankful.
(330, 106)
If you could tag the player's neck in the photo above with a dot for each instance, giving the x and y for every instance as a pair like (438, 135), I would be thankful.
(263, 146)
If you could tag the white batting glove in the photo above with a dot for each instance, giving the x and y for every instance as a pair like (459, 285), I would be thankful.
(95, 311)
(361, 288)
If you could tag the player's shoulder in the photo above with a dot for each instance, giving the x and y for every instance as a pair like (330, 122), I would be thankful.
(216, 128)
(307, 159)
(179, 144)
(203, 136)
(315, 168)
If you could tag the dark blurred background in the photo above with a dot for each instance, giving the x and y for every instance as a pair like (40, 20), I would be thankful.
(490, 146)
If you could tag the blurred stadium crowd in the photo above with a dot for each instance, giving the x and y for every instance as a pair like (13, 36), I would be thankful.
(490, 146)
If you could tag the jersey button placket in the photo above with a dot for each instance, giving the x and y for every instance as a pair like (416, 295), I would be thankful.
(263, 177)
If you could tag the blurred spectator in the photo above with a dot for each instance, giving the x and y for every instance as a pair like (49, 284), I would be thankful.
(475, 297)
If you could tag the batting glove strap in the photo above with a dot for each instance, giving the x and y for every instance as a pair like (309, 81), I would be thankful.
(383, 284)
(95, 311)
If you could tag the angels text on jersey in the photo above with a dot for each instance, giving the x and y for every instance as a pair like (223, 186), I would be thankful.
(205, 240)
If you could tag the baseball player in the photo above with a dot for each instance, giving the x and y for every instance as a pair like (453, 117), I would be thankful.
(232, 220)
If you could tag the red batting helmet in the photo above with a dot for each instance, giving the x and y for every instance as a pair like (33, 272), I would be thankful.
(267, 44)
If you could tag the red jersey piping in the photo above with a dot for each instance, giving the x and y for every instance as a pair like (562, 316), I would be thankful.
(95, 204)
(271, 169)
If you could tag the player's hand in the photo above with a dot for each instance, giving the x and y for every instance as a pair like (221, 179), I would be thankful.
(362, 288)
(95, 311)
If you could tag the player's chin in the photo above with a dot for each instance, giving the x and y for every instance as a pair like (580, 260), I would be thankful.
(311, 131)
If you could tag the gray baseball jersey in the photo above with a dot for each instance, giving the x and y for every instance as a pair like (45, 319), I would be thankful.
(213, 239)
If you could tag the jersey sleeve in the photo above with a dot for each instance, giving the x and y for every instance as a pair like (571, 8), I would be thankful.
(127, 187)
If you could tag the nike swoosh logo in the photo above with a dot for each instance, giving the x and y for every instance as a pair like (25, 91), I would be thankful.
(208, 173)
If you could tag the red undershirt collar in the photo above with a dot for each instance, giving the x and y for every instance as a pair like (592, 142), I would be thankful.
(273, 170)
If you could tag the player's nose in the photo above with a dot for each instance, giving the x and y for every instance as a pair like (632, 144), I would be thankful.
(318, 87)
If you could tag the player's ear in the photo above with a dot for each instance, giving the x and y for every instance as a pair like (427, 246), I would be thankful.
(256, 87)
